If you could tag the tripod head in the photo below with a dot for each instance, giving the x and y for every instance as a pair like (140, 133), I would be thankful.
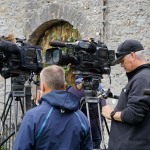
(90, 82)
(90, 85)
(18, 82)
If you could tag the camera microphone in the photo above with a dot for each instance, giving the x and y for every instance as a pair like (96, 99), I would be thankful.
(57, 44)
(78, 45)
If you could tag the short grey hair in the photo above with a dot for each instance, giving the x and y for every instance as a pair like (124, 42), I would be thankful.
(141, 55)
(53, 76)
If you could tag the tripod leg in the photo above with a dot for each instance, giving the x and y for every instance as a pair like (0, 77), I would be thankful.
(4, 141)
(6, 108)
(106, 125)
(101, 127)
(87, 110)
(21, 105)
(88, 116)
(27, 99)
(5, 105)
(15, 106)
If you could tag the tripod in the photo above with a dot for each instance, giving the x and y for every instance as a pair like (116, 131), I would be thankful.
(19, 94)
(92, 109)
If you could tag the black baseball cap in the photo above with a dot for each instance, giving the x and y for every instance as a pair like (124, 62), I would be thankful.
(126, 48)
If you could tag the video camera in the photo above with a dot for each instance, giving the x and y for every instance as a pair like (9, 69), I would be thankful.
(84, 56)
(15, 60)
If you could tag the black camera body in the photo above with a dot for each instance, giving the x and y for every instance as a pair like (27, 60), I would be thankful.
(84, 56)
(15, 60)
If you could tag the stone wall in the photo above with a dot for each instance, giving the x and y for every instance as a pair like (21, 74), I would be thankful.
(111, 21)
(126, 20)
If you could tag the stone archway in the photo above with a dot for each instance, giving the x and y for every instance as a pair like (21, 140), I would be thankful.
(61, 31)
(38, 23)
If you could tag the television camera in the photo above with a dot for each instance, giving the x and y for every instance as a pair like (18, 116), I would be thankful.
(85, 56)
(20, 57)
(19, 61)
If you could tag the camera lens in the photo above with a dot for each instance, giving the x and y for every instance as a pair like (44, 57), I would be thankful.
(56, 56)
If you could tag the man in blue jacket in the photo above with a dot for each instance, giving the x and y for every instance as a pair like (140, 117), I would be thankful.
(56, 123)
(130, 127)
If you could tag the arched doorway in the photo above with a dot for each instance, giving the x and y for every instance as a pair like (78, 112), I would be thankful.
(60, 31)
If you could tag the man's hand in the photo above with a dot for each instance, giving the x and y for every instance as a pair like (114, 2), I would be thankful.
(106, 111)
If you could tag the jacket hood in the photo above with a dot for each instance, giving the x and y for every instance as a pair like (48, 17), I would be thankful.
(61, 99)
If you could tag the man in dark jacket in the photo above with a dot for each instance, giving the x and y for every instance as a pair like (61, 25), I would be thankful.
(130, 128)
(57, 123)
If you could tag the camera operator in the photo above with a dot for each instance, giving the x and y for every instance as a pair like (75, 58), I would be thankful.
(131, 116)
(57, 122)
(76, 87)
(95, 129)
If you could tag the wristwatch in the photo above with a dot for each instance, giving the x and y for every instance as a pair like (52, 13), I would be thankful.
(112, 114)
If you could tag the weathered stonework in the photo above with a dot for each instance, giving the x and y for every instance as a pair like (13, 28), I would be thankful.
(111, 21)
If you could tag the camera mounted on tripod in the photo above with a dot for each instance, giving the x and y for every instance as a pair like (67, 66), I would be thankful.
(19, 58)
(84, 56)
